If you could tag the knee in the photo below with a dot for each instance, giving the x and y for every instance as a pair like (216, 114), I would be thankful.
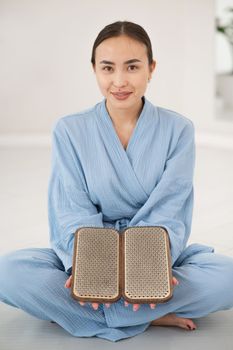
(8, 266)
(224, 278)
(14, 267)
(5, 265)
(219, 280)
(220, 268)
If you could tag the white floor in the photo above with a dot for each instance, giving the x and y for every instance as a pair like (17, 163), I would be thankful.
(23, 206)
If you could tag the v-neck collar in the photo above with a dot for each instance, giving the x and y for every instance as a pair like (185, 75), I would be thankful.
(134, 133)
(121, 158)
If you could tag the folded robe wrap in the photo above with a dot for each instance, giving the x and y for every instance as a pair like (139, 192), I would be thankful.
(96, 182)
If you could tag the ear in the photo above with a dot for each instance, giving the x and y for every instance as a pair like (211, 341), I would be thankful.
(152, 68)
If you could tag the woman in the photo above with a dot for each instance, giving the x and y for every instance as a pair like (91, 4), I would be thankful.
(123, 162)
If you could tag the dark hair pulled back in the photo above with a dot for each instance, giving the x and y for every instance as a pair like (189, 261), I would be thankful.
(130, 29)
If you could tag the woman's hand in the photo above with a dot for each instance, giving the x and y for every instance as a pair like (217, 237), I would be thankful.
(94, 305)
(135, 306)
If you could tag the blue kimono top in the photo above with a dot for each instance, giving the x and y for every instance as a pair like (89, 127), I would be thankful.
(96, 182)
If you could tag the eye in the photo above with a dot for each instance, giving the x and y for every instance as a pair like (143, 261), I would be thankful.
(133, 66)
(108, 68)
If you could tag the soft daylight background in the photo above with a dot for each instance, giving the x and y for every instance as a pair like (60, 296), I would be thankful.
(45, 73)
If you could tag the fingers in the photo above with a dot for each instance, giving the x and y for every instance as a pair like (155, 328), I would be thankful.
(95, 305)
(137, 306)
(82, 303)
(175, 282)
(68, 282)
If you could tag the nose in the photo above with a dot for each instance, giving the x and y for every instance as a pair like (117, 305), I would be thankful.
(119, 80)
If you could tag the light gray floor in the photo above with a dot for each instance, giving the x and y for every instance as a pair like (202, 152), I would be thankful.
(23, 206)
(23, 332)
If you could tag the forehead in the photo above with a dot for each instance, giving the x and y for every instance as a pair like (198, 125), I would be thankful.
(120, 48)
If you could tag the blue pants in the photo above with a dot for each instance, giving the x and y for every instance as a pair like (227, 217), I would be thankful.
(33, 280)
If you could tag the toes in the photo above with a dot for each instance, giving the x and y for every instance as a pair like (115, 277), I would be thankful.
(187, 324)
(107, 305)
(82, 303)
(191, 325)
(191, 328)
(152, 306)
(126, 303)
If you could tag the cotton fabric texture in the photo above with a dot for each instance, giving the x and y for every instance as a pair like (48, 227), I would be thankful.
(95, 182)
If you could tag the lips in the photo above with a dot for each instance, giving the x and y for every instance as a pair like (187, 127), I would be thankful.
(121, 93)
(121, 96)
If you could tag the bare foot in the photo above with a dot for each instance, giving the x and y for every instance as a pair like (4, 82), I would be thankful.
(173, 320)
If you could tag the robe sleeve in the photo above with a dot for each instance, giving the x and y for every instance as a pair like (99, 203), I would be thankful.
(170, 203)
(69, 205)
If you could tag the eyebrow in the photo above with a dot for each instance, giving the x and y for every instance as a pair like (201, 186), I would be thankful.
(127, 62)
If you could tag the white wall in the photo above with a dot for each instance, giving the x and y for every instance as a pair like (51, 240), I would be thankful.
(45, 68)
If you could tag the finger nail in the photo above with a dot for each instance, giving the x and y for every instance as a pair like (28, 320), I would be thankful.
(152, 306)
(107, 305)
(95, 306)
(81, 303)
(135, 307)
(126, 303)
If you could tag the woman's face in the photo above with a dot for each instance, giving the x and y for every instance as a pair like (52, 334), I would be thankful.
(122, 70)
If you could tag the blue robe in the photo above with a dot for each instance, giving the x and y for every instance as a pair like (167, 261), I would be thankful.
(96, 182)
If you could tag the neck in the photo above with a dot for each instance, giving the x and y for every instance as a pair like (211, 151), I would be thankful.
(123, 117)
